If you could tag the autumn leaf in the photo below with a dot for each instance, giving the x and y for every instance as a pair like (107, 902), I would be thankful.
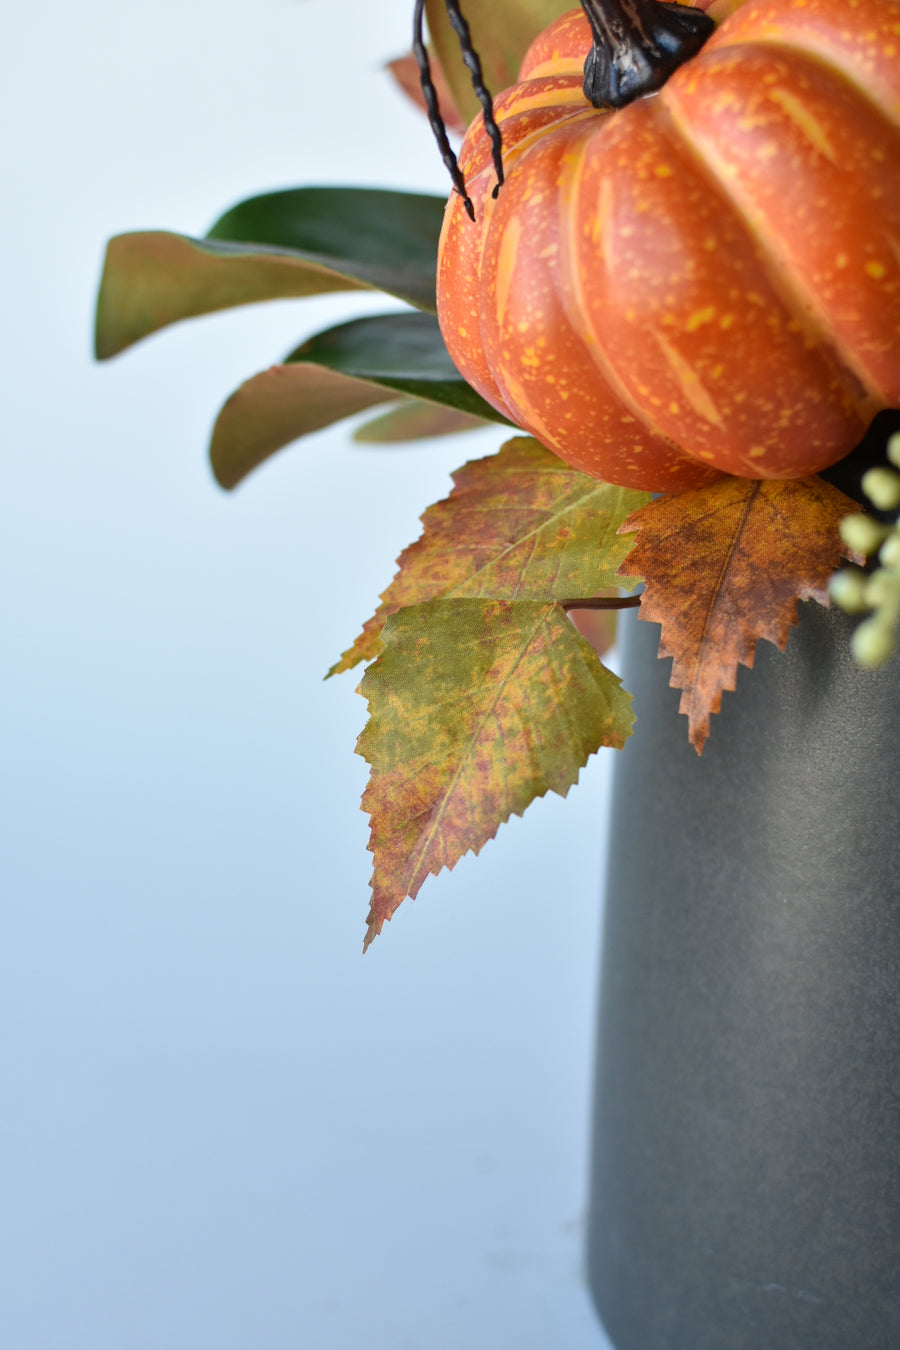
(518, 525)
(476, 707)
(724, 566)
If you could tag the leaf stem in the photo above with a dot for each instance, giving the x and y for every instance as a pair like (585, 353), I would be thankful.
(603, 602)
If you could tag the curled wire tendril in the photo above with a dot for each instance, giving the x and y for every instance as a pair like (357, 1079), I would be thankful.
(435, 120)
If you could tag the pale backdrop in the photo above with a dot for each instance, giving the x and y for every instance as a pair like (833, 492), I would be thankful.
(222, 1128)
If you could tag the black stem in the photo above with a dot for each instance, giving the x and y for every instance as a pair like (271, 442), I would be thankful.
(435, 121)
(638, 44)
(473, 65)
(603, 602)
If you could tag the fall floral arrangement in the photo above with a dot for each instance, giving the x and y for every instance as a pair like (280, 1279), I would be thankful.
(672, 259)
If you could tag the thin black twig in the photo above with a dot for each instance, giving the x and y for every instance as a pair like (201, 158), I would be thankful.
(482, 93)
(435, 120)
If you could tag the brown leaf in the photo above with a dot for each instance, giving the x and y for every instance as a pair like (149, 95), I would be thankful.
(724, 566)
(406, 74)
(276, 407)
(518, 525)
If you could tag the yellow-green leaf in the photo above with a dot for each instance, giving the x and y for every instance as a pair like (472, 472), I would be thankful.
(518, 525)
(476, 707)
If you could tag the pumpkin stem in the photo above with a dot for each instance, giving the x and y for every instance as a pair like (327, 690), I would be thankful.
(638, 44)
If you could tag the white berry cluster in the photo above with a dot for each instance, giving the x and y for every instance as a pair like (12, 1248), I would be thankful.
(874, 593)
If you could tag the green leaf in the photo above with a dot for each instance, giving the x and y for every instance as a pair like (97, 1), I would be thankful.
(502, 32)
(404, 352)
(371, 228)
(335, 374)
(283, 245)
(476, 707)
(518, 525)
(415, 421)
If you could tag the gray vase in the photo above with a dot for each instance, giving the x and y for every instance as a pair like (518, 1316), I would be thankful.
(746, 1167)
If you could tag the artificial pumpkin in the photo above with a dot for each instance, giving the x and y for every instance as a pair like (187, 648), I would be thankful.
(705, 281)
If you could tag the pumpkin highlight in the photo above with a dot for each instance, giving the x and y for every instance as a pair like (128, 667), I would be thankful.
(705, 281)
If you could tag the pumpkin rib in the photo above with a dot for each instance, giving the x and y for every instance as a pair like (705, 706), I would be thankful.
(523, 115)
(798, 294)
(469, 251)
(573, 295)
(826, 59)
(653, 219)
(794, 302)
(607, 418)
(825, 30)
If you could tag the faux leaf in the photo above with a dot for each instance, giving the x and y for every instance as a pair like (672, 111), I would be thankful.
(502, 32)
(336, 373)
(415, 420)
(518, 525)
(724, 566)
(403, 349)
(276, 407)
(476, 707)
(405, 71)
(305, 241)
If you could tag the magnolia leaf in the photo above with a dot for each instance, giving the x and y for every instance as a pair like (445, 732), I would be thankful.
(476, 707)
(502, 32)
(405, 70)
(336, 373)
(415, 420)
(518, 525)
(306, 241)
(724, 566)
(276, 407)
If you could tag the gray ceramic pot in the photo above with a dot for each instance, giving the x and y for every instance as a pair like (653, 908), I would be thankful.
(746, 1168)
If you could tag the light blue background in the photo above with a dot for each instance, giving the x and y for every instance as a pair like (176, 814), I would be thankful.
(222, 1129)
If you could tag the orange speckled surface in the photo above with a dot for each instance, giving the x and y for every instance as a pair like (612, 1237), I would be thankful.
(707, 280)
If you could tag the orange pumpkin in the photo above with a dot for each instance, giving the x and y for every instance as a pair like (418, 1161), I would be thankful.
(707, 280)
